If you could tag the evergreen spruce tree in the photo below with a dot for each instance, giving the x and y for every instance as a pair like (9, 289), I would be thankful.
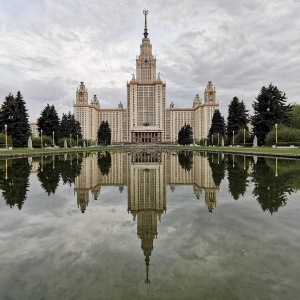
(217, 125)
(69, 125)
(270, 108)
(185, 135)
(104, 134)
(237, 117)
(14, 114)
(49, 122)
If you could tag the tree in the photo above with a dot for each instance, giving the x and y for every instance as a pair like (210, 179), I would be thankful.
(104, 134)
(69, 125)
(49, 121)
(270, 108)
(14, 114)
(217, 125)
(295, 121)
(185, 135)
(237, 117)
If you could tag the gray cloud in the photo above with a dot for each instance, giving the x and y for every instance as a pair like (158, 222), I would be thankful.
(239, 45)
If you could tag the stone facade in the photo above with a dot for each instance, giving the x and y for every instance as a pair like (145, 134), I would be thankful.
(146, 120)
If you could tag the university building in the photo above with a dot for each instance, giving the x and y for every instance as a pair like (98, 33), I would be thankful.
(146, 120)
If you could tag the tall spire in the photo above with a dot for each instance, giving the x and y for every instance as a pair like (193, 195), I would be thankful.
(145, 12)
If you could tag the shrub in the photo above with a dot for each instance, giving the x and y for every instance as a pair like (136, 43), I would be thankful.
(36, 141)
(290, 136)
(3, 142)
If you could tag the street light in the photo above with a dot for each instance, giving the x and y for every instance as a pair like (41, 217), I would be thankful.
(70, 140)
(218, 138)
(41, 138)
(77, 140)
(5, 126)
(232, 137)
(276, 132)
(244, 136)
(53, 138)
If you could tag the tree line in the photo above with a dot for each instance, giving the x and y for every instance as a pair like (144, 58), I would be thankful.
(15, 120)
(272, 117)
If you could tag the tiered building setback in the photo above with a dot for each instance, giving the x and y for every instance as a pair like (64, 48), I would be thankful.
(146, 120)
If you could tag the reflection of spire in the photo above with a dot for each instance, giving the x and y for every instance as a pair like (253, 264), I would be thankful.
(147, 260)
(210, 199)
(82, 200)
(197, 191)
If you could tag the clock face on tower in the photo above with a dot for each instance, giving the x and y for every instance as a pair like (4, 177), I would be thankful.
(146, 61)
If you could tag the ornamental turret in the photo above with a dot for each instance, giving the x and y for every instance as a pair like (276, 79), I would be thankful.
(210, 94)
(82, 95)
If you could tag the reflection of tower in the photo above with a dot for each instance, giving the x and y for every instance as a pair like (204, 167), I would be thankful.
(91, 178)
(203, 178)
(146, 198)
(82, 199)
(210, 199)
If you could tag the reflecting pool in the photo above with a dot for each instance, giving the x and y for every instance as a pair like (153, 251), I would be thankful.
(149, 225)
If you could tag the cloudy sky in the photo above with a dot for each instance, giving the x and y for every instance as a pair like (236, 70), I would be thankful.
(48, 46)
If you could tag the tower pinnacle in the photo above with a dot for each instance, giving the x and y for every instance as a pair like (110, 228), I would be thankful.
(145, 12)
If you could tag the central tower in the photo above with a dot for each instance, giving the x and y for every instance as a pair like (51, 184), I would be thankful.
(146, 97)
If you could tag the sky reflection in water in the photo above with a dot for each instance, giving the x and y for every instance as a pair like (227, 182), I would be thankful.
(189, 225)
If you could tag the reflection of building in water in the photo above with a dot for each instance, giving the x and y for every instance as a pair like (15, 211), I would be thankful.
(91, 178)
(141, 169)
(146, 174)
(146, 198)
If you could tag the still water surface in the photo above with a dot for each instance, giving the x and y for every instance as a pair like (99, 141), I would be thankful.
(149, 225)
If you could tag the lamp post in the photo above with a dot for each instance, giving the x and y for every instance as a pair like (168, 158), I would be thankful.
(232, 137)
(53, 138)
(70, 140)
(244, 136)
(218, 138)
(5, 126)
(77, 139)
(276, 133)
(41, 138)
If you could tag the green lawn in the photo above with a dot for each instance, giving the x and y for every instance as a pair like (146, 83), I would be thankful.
(293, 152)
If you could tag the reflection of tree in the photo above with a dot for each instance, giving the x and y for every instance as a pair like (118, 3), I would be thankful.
(185, 159)
(218, 167)
(48, 175)
(70, 168)
(104, 162)
(15, 187)
(237, 169)
(271, 191)
(51, 169)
